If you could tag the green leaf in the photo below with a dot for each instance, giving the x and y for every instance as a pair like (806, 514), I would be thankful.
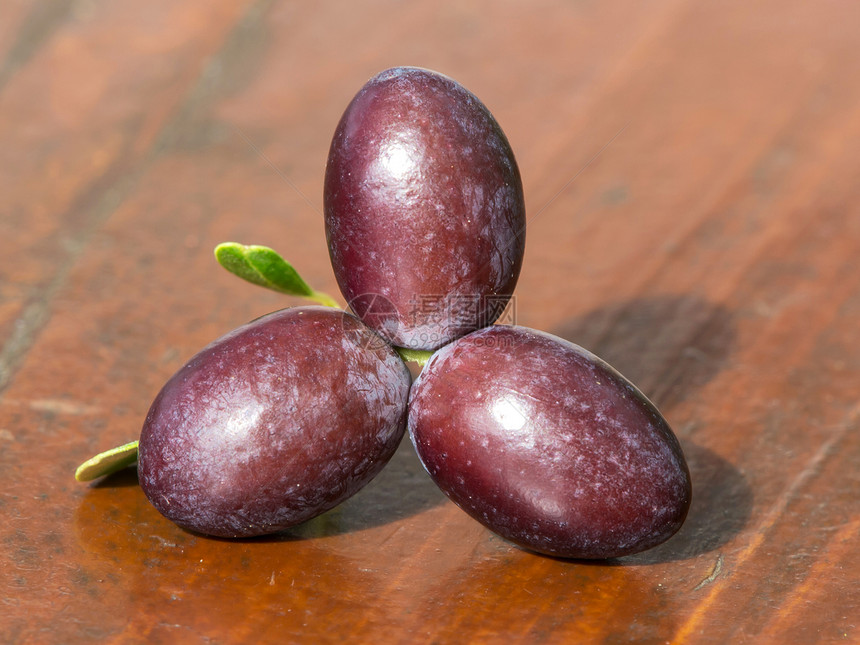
(107, 462)
(263, 266)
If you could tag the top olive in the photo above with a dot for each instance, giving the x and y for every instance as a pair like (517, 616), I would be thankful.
(424, 210)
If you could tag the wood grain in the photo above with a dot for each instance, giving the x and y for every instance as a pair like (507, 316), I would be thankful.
(694, 217)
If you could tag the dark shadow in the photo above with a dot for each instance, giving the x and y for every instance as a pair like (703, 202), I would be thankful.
(720, 509)
(670, 347)
(401, 490)
(667, 345)
(119, 479)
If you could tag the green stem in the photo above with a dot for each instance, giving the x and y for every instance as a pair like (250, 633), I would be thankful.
(323, 299)
(419, 356)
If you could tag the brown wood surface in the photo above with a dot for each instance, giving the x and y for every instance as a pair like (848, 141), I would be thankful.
(691, 174)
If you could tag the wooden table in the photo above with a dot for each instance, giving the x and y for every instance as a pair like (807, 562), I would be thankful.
(691, 176)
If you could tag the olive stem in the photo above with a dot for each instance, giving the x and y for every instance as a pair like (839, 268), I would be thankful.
(323, 299)
(418, 356)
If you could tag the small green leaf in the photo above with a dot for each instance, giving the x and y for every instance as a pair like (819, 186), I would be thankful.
(263, 266)
(419, 356)
(107, 462)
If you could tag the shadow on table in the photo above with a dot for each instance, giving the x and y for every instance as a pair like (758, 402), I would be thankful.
(667, 345)
(401, 490)
(671, 346)
(721, 507)
(120, 479)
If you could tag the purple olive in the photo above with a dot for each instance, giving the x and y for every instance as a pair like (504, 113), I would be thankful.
(273, 424)
(547, 445)
(424, 210)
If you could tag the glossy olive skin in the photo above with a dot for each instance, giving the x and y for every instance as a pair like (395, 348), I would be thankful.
(548, 446)
(424, 210)
(273, 424)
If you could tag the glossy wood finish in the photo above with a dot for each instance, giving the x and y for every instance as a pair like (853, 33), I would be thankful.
(690, 172)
